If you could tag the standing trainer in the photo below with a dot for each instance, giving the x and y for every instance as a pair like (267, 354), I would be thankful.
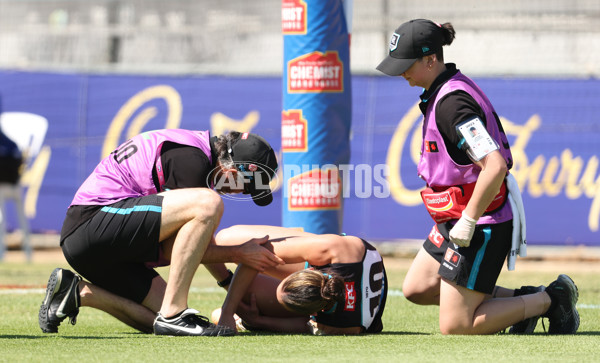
(148, 204)
(465, 159)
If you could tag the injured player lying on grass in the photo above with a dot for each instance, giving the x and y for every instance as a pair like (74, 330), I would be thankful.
(330, 284)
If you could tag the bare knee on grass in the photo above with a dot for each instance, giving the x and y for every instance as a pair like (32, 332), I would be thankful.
(460, 311)
(454, 326)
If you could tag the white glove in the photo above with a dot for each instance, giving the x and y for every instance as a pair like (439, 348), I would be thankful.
(462, 232)
(314, 328)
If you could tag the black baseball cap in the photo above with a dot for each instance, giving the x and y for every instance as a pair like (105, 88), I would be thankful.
(411, 41)
(253, 156)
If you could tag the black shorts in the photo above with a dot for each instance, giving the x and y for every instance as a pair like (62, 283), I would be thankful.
(11, 168)
(111, 249)
(478, 266)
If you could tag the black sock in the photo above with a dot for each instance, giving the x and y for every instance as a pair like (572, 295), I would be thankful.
(552, 306)
(176, 315)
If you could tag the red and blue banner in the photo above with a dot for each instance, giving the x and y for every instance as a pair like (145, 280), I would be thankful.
(552, 126)
(317, 113)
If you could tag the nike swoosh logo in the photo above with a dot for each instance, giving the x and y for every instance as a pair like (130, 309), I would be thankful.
(195, 331)
(60, 312)
(56, 287)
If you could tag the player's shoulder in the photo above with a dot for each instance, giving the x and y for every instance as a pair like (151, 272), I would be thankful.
(457, 100)
(186, 153)
(348, 249)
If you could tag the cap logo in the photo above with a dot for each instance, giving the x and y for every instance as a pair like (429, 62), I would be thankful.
(425, 49)
(255, 179)
(244, 136)
(394, 41)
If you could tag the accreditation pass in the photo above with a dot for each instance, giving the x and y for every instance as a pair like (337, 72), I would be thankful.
(478, 140)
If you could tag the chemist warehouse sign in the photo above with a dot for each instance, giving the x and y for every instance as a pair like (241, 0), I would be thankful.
(316, 72)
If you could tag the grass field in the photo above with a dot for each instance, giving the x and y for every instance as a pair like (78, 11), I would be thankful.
(410, 332)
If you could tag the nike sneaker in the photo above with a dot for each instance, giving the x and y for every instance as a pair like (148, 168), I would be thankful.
(61, 301)
(189, 323)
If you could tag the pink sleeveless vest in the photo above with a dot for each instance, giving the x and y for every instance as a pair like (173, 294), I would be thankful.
(437, 168)
(127, 171)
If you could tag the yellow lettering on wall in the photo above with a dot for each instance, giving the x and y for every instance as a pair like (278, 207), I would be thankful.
(220, 124)
(571, 170)
(32, 178)
(594, 215)
(552, 184)
(533, 174)
(588, 184)
(523, 134)
(174, 109)
(394, 156)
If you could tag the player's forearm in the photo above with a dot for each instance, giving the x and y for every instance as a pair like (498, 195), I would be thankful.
(221, 254)
(242, 279)
(488, 184)
(282, 325)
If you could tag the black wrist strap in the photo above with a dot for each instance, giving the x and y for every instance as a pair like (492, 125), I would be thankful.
(227, 280)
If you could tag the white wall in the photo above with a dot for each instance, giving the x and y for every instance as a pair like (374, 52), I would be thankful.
(534, 38)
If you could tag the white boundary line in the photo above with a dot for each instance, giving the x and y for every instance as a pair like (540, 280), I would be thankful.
(22, 291)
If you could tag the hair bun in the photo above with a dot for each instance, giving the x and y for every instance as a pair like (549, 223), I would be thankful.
(333, 289)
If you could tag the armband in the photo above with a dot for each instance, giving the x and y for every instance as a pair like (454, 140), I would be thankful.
(227, 280)
(475, 139)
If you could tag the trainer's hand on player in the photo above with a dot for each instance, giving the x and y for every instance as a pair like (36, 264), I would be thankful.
(255, 255)
(462, 232)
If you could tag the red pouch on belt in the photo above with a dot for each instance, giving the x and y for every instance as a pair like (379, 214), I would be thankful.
(449, 203)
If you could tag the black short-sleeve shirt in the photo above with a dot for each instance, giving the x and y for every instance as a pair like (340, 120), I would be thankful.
(452, 109)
